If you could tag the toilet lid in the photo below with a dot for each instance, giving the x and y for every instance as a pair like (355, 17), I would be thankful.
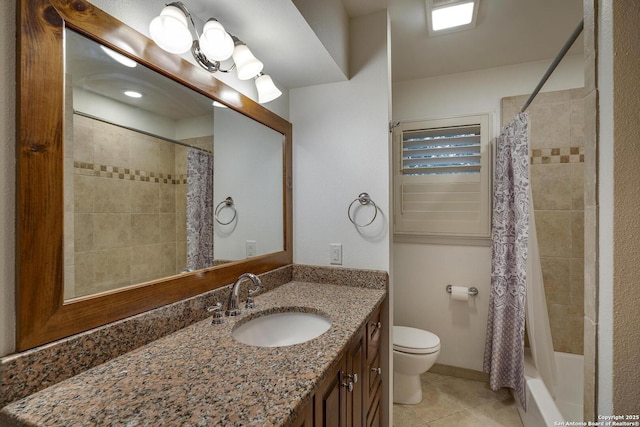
(416, 341)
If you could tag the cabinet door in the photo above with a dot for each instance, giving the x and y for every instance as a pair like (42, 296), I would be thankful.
(356, 411)
(374, 334)
(331, 399)
(373, 388)
(305, 418)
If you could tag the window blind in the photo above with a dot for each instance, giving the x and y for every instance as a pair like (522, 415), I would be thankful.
(442, 177)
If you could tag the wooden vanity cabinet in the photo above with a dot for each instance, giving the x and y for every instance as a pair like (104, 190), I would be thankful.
(305, 418)
(343, 401)
(373, 387)
(330, 401)
(355, 374)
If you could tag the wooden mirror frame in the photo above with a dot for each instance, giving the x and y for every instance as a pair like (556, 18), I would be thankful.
(42, 314)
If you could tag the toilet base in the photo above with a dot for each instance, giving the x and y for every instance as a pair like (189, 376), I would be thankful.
(407, 389)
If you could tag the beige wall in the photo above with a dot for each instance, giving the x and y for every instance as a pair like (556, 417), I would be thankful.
(7, 176)
(612, 308)
(557, 175)
(626, 207)
(128, 203)
(421, 271)
(590, 215)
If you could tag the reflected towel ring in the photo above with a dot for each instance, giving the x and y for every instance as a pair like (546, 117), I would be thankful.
(226, 203)
(364, 199)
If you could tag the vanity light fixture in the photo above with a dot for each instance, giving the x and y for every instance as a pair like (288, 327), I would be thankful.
(170, 30)
(445, 16)
(267, 90)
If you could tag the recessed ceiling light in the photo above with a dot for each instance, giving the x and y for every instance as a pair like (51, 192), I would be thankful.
(133, 94)
(448, 16)
(452, 16)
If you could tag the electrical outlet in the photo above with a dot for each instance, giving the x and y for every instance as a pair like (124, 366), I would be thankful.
(251, 248)
(335, 253)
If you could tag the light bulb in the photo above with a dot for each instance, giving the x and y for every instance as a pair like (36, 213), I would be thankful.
(170, 30)
(247, 64)
(267, 90)
(215, 42)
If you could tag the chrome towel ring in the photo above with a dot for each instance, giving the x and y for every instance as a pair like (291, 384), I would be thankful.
(364, 199)
(226, 203)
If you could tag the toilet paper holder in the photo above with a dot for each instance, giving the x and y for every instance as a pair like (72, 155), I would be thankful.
(473, 291)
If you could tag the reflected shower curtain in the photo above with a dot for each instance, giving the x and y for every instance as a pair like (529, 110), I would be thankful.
(199, 209)
(504, 348)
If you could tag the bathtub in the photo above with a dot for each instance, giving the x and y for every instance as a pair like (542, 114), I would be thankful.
(542, 409)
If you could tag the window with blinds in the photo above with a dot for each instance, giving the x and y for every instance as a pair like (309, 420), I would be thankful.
(442, 177)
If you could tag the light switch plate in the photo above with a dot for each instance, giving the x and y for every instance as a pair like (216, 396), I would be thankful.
(251, 248)
(335, 253)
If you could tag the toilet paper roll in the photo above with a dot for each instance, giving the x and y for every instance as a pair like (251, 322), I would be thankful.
(459, 293)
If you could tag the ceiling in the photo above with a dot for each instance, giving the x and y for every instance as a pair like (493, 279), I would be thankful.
(508, 32)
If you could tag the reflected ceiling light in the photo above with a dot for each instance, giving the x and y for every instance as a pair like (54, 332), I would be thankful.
(446, 16)
(267, 91)
(133, 94)
(170, 30)
(118, 57)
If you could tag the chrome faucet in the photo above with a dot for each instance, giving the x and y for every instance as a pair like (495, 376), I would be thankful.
(232, 307)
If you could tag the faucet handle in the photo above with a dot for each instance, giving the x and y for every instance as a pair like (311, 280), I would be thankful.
(250, 302)
(217, 313)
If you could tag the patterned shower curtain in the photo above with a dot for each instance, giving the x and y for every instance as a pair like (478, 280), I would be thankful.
(504, 348)
(199, 209)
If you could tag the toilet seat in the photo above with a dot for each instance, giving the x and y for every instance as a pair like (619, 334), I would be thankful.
(414, 341)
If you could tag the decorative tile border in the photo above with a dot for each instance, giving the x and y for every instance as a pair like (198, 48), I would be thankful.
(541, 156)
(118, 172)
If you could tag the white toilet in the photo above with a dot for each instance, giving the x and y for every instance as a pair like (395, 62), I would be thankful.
(414, 353)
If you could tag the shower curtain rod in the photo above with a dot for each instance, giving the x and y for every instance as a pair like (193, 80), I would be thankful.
(554, 64)
(173, 141)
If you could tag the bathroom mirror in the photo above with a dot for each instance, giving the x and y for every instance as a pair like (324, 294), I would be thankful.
(149, 167)
(46, 125)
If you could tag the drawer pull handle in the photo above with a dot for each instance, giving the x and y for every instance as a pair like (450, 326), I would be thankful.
(376, 325)
(377, 370)
(353, 377)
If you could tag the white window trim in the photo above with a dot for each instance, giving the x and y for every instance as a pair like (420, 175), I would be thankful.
(481, 236)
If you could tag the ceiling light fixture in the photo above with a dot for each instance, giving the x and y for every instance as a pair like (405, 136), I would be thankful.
(133, 94)
(170, 30)
(445, 16)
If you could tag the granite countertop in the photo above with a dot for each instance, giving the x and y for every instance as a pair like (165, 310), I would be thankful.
(201, 376)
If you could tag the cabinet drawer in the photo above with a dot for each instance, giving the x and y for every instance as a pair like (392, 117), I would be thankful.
(374, 335)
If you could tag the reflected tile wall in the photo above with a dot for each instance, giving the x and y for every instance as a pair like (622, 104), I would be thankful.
(557, 182)
(127, 219)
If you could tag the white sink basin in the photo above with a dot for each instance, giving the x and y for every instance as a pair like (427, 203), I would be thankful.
(281, 329)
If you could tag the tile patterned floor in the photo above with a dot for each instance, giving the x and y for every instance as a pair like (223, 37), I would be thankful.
(449, 401)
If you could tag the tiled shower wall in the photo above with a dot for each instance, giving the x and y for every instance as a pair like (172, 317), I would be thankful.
(556, 122)
(128, 198)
